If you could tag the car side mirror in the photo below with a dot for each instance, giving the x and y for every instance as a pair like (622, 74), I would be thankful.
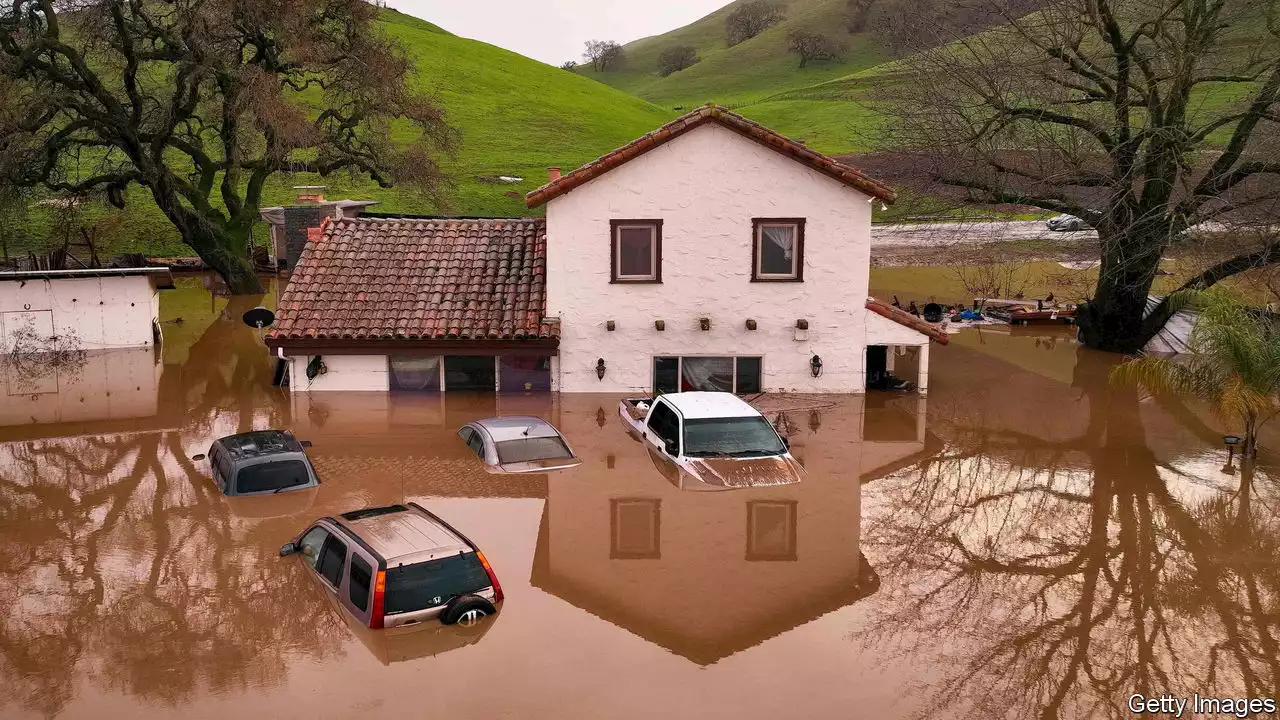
(306, 443)
(672, 447)
(288, 549)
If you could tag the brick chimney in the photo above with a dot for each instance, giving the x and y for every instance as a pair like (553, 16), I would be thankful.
(554, 172)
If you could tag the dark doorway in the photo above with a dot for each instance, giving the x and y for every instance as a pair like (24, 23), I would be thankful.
(473, 373)
(877, 365)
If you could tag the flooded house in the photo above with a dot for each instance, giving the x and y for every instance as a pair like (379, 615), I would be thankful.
(90, 309)
(710, 254)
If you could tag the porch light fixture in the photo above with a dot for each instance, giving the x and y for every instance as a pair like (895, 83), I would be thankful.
(660, 325)
(815, 365)
(751, 324)
(610, 325)
(600, 368)
(704, 323)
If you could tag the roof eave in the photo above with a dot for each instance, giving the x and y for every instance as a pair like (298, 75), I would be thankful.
(711, 113)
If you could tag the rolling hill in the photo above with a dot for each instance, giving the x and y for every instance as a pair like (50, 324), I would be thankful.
(759, 78)
(517, 116)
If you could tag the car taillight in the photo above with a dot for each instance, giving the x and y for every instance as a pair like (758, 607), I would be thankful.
(493, 579)
(379, 599)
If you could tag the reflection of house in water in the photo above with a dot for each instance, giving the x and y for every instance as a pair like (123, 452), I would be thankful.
(707, 575)
(411, 440)
(95, 386)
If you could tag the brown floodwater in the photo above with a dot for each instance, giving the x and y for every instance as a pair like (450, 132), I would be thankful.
(1025, 542)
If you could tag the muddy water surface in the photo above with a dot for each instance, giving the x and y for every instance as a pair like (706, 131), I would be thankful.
(1025, 543)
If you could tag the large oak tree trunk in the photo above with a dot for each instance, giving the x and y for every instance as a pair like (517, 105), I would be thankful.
(225, 250)
(1114, 319)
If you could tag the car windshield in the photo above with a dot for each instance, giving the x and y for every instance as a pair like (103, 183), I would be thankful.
(531, 449)
(271, 476)
(731, 437)
(435, 582)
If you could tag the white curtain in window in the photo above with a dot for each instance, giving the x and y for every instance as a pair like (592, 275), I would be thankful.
(707, 373)
(783, 237)
(416, 373)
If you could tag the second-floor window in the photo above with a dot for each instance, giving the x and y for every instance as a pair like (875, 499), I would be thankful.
(636, 251)
(778, 249)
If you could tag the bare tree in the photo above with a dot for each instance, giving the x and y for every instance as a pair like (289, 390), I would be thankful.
(750, 19)
(677, 58)
(569, 65)
(1144, 117)
(997, 280)
(813, 46)
(603, 54)
(200, 102)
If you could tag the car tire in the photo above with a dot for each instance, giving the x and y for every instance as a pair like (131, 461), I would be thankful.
(467, 610)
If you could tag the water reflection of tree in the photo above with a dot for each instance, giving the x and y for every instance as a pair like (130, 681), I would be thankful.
(1056, 578)
(122, 564)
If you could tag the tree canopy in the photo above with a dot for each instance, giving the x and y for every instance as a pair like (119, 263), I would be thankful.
(201, 101)
(1144, 117)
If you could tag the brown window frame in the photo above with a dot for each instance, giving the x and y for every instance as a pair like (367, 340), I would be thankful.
(755, 554)
(614, 238)
(757, 237)
(616, 552)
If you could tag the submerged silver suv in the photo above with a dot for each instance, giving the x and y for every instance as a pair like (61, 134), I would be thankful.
(399, 565)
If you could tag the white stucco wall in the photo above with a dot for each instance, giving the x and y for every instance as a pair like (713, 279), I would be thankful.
(883, 331)
(102, 312)
(350, 373)
(706, 186)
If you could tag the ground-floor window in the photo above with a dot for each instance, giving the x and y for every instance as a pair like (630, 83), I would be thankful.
(473, 373)
(524, 373)
(724, 374)
(414, 372)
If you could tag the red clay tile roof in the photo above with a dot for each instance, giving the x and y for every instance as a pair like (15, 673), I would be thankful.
(733, 121)
(902, 317)
(419, 279)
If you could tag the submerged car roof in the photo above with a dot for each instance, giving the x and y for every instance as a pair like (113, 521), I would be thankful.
(517, 427)
(696, 405)
(260, 442)
(396, 532)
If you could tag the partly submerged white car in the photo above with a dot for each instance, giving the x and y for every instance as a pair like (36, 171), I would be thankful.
(1067, 223)
(518, 444)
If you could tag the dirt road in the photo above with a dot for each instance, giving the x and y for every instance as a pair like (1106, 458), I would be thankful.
(955, 233)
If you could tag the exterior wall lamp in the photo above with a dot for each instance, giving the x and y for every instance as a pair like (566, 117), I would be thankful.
(815, 365)
(600, 368)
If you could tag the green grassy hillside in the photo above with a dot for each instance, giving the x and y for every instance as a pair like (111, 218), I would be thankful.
(517, 117)
(747, 72)
(759, 78)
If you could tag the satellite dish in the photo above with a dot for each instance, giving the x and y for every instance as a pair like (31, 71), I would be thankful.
(259, 317)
